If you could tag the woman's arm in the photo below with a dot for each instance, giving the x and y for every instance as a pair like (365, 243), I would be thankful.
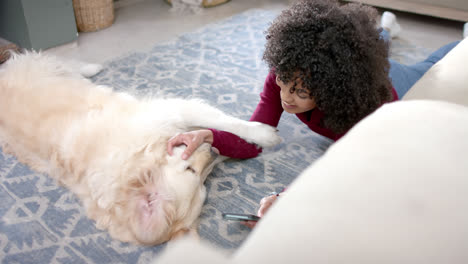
(268, 111)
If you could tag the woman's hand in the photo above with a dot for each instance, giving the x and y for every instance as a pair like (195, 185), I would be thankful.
(265, 204)
(192, 140)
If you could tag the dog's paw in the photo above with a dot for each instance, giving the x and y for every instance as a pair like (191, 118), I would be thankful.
(263, 135)
(89, 70)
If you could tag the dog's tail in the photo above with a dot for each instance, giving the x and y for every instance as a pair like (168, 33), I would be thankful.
(90, 69)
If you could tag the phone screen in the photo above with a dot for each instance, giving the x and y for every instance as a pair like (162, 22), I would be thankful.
(240, 217)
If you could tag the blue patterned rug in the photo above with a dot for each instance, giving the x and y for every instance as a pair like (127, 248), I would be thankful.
(221, 63)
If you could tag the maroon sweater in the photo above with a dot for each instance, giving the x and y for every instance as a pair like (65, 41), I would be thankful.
(269, 112)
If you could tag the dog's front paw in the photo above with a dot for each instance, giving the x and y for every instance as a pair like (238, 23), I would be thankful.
(263, 135)
(89, 70)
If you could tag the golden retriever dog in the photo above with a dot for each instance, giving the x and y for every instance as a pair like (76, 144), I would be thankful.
(109, 148)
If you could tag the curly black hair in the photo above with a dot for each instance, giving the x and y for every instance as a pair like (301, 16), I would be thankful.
(337, 52)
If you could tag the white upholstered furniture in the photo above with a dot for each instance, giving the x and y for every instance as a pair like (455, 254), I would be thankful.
(448, 9)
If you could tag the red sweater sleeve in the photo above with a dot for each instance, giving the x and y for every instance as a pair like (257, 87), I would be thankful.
(268, 111)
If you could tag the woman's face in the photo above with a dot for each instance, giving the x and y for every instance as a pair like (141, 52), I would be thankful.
(297, 102)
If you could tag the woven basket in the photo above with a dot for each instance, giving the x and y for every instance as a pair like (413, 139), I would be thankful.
(93, 15)
(5, 47)
(208, 3)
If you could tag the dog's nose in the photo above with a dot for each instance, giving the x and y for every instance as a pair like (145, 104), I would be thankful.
(214, 152)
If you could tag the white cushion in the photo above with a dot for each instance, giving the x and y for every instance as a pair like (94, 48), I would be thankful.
(392, 190)
(447, 80)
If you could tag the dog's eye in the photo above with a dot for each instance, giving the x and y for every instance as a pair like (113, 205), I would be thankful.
(189, 168)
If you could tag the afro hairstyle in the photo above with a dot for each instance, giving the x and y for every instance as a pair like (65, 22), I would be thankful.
(337, 52)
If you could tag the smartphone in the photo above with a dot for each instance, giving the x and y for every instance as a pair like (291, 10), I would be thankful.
(240, 217)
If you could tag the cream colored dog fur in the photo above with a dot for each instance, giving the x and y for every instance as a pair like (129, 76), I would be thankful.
(109, 148)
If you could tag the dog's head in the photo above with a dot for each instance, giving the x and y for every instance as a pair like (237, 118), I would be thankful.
(163, 197)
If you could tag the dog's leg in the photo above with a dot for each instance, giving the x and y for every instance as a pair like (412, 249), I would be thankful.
(197, 114)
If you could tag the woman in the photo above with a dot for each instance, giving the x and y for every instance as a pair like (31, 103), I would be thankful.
(329, 66)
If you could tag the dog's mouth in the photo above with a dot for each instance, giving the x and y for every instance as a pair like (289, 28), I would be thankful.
(151, 221)
(151, 199)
